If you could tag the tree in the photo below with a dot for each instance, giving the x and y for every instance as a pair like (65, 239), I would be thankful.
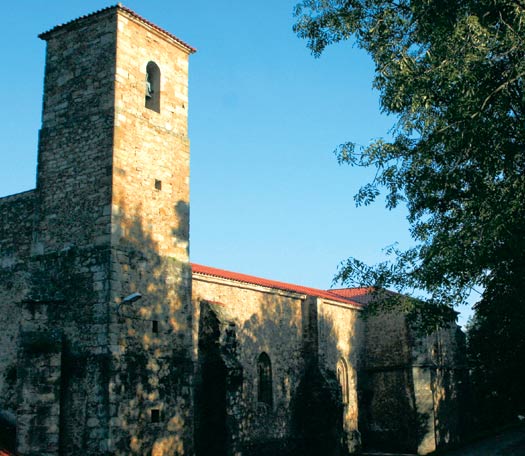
(496, 343)
(452, 72)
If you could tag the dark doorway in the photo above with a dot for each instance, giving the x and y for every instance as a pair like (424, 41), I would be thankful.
(210, 398)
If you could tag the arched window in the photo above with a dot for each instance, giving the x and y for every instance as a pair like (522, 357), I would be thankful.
(152, 89)
(264, 385)
(342, 377)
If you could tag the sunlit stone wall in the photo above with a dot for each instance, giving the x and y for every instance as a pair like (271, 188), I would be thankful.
(304, 338)
(150, 341)
(341, 341)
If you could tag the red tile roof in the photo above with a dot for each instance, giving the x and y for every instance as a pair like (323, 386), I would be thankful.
(363, 295)
(325, 294)
(6, 453)
(119, 6)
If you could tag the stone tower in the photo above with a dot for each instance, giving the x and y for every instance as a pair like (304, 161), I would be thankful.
(106, 326)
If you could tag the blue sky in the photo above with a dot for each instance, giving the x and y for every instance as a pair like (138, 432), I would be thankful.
(267, 195)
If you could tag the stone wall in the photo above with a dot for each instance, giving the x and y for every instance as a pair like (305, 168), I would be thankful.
(150, 201)
(411, 386)
(150, 340)
(16, 225)
(76, 138)
(38, 408)
(109, 217)
(387, 393)
(341, 341)
(440, 377)
(68, 296)
(150, 345)
(260, 321)
(70, 263)
(305, 338)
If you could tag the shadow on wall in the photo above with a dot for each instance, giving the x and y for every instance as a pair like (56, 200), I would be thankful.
(317, 414)
(389, 418)
(212, 386)
(123, 369)
(413, 400)
(152, 367)
(303, 412)
(451, 393)
(62, 361)
(7, 431)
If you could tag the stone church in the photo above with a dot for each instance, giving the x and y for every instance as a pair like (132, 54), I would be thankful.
(113, 343)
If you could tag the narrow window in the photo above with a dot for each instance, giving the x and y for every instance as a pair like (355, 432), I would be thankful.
(154, 326)
(342, 377)
(152, 95)
(158, 184)
(264, 386)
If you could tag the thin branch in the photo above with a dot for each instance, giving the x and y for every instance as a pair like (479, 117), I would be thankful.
(500, 88)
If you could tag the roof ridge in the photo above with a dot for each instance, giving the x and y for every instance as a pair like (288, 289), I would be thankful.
(350, 288)
(269, 283)
(118, 6)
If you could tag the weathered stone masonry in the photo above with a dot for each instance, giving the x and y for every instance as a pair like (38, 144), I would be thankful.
(99, 229)
(299, 333)
(110, 345)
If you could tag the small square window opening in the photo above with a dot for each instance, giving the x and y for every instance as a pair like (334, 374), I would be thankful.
(155, 415)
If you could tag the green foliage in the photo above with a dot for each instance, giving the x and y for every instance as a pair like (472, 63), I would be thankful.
(496, 343)
(451, 71)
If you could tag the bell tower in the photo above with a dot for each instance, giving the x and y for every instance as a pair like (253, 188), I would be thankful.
(114, 149)
(110, 261)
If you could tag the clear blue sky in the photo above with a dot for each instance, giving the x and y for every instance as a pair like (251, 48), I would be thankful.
(267, 195)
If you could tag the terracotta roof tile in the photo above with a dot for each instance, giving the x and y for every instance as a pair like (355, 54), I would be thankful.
(363, 295)
(325, 294)
(119, 6)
